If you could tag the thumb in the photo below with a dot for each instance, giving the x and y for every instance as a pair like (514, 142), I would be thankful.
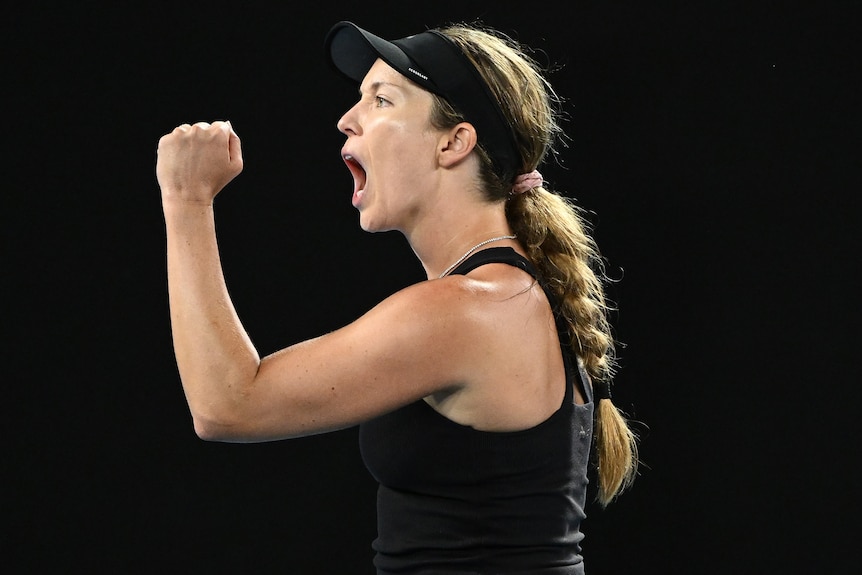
(234, 146)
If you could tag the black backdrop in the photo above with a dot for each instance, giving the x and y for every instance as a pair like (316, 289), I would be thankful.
(711, 141)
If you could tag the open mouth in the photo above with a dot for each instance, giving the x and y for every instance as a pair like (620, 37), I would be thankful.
(359, 176)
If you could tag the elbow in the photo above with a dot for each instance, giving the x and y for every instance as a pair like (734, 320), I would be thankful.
(207, 431)
(211, 429)
(220, 418)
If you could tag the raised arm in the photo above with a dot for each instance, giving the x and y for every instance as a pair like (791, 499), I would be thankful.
(194, 164)
(392, 355)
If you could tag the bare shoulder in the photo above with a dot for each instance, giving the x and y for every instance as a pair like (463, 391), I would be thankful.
(447, 333)
(439, 301)
(467, 303)
(478, 322)
(511, 363)
(435, 319)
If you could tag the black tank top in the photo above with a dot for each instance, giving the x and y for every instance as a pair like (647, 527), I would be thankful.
(453, 499)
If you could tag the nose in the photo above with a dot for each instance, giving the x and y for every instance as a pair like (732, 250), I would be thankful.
(348, 124)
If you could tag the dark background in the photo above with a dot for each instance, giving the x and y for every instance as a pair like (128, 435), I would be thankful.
(715, 144)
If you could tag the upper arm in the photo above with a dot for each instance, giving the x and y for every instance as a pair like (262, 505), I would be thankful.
(409, 346)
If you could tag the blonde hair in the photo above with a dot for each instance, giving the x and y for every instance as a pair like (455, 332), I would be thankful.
(552, 229)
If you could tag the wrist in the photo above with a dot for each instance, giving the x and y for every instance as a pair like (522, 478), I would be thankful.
(182, 194)
(183, 211)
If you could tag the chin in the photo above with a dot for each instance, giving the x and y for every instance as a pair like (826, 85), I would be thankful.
(368, 224)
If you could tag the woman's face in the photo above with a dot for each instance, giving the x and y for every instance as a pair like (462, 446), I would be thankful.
(391, 150)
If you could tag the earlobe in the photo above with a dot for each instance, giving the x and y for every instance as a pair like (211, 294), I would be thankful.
(457, 143)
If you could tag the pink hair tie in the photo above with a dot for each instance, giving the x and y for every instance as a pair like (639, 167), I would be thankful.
(526, 182)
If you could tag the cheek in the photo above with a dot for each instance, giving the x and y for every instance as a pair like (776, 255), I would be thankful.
(406, 151)
(403, 151)
(411, 169)
(418, 148)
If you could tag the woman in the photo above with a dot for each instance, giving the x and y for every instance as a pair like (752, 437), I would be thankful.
(473, 389)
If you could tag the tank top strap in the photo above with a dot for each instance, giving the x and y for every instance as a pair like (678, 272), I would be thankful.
(506, 255)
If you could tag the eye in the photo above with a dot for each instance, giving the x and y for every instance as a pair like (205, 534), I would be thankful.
(381, 102)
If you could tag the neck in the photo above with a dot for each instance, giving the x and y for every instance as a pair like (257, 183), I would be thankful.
(453, 218)
(440, 246)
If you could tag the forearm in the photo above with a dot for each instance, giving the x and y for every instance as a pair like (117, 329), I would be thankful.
(214, 354)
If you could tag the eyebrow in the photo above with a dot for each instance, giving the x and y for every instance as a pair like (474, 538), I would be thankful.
(376, 85)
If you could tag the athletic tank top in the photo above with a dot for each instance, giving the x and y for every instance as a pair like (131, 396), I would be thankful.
(452, 499)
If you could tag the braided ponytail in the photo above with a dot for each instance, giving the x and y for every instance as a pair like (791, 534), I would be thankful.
(554, 233)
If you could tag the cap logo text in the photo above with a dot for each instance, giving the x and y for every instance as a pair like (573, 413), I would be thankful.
(418, 73)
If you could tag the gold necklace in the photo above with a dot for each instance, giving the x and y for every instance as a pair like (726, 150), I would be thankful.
(471, 250)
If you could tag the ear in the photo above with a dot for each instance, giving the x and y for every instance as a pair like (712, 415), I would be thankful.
(456, 144)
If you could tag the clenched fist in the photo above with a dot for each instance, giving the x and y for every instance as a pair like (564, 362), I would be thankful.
(196, 161)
